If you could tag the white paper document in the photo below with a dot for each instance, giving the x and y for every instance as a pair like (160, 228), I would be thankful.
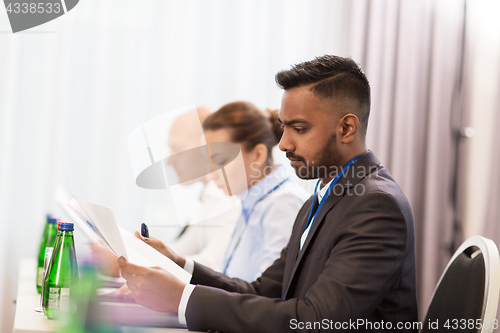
(124, 243)
(64, 201)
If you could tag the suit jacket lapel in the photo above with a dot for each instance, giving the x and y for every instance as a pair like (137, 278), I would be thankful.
(329, 203)
(364, 166)
(293, 245)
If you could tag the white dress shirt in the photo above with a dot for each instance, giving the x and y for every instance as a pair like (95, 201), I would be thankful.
(321, 191)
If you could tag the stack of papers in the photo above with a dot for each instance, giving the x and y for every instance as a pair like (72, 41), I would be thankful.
(99, 223)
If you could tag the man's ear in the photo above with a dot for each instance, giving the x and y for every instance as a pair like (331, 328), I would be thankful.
(349, 125)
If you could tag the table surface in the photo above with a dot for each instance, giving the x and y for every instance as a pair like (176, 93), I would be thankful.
(27, 320)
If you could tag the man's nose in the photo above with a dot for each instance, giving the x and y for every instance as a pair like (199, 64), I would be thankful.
(286, 144)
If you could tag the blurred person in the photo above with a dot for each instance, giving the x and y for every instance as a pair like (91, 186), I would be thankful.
(270, 200)
(206, 237)
(209, 230)
(350, 261)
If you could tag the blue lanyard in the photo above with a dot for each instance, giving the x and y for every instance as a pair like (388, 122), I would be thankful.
(246, 217)
(334, 182)
(330, 188)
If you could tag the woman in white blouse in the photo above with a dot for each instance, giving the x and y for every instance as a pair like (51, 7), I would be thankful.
(270, 200)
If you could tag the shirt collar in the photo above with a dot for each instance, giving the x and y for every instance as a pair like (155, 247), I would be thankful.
(210, 191)
(322, 191)
(255, 193)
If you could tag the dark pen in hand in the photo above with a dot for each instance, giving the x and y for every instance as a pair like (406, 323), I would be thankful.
(144, 230)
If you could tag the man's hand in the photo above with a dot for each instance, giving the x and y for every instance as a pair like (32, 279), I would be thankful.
(106, 260)
(163, 249)
(154, 287)
(124, 292)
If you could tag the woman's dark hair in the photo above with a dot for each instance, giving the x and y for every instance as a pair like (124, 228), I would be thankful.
(247, 125)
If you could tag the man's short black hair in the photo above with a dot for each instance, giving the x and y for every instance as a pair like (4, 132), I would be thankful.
(331, 76)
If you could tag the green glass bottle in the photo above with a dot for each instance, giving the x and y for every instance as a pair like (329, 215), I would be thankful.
(58, 234)
(48, 240)
(62, 275)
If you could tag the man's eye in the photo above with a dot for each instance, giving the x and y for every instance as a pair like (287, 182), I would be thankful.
(299, 130)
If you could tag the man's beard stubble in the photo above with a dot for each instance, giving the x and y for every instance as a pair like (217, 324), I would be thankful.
(325, 163)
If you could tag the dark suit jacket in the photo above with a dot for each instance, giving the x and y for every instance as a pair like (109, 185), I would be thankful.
(358, 263)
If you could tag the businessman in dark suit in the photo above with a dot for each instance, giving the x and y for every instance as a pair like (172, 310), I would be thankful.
(349, 264)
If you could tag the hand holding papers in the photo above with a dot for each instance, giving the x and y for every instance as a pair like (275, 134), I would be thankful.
(122, 242)
(153, 288)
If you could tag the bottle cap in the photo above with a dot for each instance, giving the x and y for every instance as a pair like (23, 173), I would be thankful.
(67, 226)
(52, 220)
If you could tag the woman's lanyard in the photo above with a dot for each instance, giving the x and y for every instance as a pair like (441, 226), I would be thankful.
(247, 217)
(330, 188)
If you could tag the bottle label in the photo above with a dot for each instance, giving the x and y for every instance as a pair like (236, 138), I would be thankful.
(53, 298)
(59, 298)
(64, 303)
(39, 281)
